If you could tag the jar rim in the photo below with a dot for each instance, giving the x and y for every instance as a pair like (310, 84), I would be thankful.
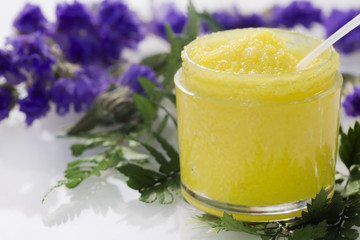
(260, 75)
(288, 86)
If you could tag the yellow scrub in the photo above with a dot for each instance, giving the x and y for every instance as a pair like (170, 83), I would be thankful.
(257, 137)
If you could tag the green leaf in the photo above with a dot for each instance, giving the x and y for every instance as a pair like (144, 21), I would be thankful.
(353, 185)
(162, 125)
(146, 108)
(139, 177)
(212, 23)
(349, 149)
(148, 196)
(150, 88)
(192, 27)
(163, 194)
(58, 184)
(156, 62)
(315, 209)
(174, 184)
(170, 151)
(167, 94)
(86, 123)
(349, 233)
(230, 224)
(79, 148)
(132, 156)
(173, 119)
(73, 182)
(318, 231)
(151, 184)
(322, 208)
(80, 169)
(159, 158)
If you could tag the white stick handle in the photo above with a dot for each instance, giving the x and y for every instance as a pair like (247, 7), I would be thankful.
(328, 42)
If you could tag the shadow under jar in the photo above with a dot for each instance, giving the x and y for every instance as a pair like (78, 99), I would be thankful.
(258, 146)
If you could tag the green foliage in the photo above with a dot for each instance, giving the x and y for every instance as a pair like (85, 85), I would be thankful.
(325, 219)
(349, 149)
(318, 231)
(155, 185)
(146, 108)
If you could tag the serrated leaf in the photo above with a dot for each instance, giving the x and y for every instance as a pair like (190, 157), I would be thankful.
(352, 221)
(163, 194)
(170, 151)
(81, 169)
(149, 88)
(353, 184)
(349, 149)
(302, 233)
(349, 234)
(318, 231)
(145, 107)
(130, 155)
(103, 165)
(73, 182)
(155, 185)
(79, 148)
(148, 196)
(315, 209)
(139, 177)
(114, 159)
(230, 224)
(174, 184)
(159, 158)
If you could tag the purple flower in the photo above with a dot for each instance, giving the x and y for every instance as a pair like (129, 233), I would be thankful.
(62, 94)
(99, 76)
(252, 20)
(167, 14)
(32, 53)
(229, 20)
(118, 28)
(5, 102)
(35, 105)
(130, 77)
(75, 33)
(30, 20)
(337, 19)
(85, 93)
(351, 103)
(298, 12)
(73, 17)
(9, 69)
(232, 20)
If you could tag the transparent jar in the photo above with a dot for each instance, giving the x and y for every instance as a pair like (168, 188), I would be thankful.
(258, 146)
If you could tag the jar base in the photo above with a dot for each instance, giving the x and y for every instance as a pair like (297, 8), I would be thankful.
(282, 212)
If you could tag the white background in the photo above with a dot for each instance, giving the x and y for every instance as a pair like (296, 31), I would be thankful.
(33, 159)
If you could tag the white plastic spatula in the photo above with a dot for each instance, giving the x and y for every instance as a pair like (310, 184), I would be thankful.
(328, 42)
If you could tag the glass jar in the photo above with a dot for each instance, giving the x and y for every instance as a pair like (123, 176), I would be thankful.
(258, 146)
